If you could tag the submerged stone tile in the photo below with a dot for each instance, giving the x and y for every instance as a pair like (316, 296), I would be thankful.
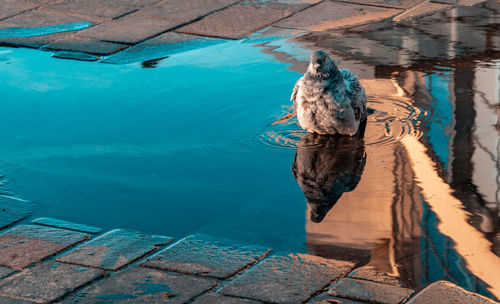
(160, 47)
(369, 291)
(129, 29)
(114, 249)
(35, 41)
(423, 9)
(12, 210)
(26, 244)
(39, 17)
(212, 298)
(86, 45)
(235, 22)
(5, 271)
(330, 15)
(143, 285)
(98, 8)
(57, 223)
(185, 10)
(206, 256)
(370, 274)
(290, 278)
(443, 292)
(5, 300)
(48, 281)
(75, 56)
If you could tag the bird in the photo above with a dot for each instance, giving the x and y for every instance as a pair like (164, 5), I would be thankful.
(329, 100)
(325, 167)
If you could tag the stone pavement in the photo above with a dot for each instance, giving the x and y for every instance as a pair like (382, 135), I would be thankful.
(120, 31)
(56, 261)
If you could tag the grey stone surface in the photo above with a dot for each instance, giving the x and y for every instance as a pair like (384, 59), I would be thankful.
(114, 249)
(106, 9)
(34, 41)
(12, 210)
(161, 46)
(75, 56)
(5, 271)
(136, 3)
(389, 3)
(41, 17)
(284, 5)
(48, 281)
(212, 298)
(86, 45)
(5, 300)
(57, 223)
(369, 291)
(235, 22)
(186, 10)
(142, 285)
(129, 29)
(330, 15)
(370, 274)
(443, 292)
(12, 7)
(289, 278)
(324, 298)
(423, 9)
(26, 244)
(206, 256)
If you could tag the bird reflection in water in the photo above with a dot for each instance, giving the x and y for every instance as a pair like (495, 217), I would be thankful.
(326, 167)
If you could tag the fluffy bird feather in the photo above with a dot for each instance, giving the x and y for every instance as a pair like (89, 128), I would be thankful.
(329, 100)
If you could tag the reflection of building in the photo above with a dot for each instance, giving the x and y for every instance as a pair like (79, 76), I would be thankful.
(427, 207)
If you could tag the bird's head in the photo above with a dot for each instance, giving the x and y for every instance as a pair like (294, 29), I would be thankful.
(320, 63)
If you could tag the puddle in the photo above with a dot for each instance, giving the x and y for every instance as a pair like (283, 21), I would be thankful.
(43, 30)
(205, 141)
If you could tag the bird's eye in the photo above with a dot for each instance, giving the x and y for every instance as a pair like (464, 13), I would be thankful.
(323, 60)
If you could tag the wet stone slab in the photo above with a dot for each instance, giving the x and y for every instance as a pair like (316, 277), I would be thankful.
(291, 278)
(235, 22)
(39, 17)
(98, 8)
(422, 9)
(57, 223)
(13, 7)
(86, 45)
(161, 46)
(5, 271)
(48, 281)
(186, 10)
(143, 285)
(12, 210)
(5, 300)
(369, 291)
(443, 292)
(129, 29)
(206, 256)
(26, 244)
(114, 249)
(405, 4)
(370, 274)
(324, 298)
(212, 298)
(330, 15)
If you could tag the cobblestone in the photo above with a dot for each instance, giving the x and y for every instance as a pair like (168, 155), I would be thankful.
(370, 274)
(443, 292)
(114, 249)
(369, 291)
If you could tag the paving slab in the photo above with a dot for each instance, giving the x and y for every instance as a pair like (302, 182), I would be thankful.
(48, 281)
(5, 271)
(291, 278)
(57, 223)
(404, 4)
(370, 274)
(204, 255)
(421, 10)
(143, 285)
(27, 244)
(235, 22)
(129, 29)
(75, 56)
(12, 210)
(162, 46)
(284, 5)
(331, 15)
(13, 7)
(5, 300)
(114, 249)
(460, 2)
(185, 10)
(135, 3)
(443, 292)
(34, 41)
(86, 45)
(212, 298)
(324, 298)
(39, 17)
(367, 291)
(106, 9)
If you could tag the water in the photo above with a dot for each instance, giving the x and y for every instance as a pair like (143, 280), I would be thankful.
(206, 142)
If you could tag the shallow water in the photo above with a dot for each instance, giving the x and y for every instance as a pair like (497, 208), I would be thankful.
(206, 142)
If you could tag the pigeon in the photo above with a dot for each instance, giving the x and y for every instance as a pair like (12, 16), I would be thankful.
(325, 167)
(329, 100)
